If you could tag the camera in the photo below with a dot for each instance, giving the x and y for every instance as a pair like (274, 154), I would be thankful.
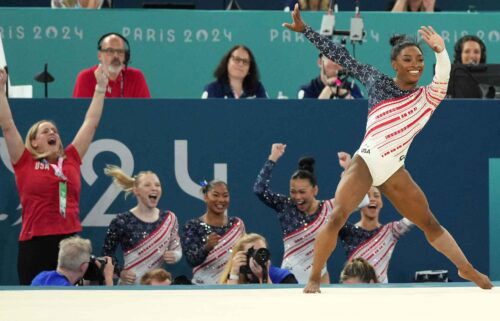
(260, 256)
(94, 272)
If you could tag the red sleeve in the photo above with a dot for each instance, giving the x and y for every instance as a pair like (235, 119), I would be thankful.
(142, 86)
(24, 157)
(72, 153)
(85, 84)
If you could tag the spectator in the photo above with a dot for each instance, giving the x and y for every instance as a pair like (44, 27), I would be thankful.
(237, 76)
(311, 5)
(358, 271)
(72, 263)
(124, 81)
(207, 240)
(469, 51)
(332, 83)
(413, 6)
(148, 236)
(156, 277)
(301, 215)
(87, 4)
(48, 181)
(250, 263)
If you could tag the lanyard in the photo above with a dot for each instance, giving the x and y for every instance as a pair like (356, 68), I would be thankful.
(63, 188)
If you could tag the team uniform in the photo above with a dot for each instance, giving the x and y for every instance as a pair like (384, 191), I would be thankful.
(299, 229)
(143, 243)
(375, 246)
(208, 266)
(395, 116)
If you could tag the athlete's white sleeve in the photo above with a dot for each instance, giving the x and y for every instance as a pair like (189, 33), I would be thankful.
(443, 66)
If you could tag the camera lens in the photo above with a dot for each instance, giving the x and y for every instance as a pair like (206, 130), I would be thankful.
(261, 256)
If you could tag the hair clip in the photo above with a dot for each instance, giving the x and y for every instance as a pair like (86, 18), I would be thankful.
(203, 183)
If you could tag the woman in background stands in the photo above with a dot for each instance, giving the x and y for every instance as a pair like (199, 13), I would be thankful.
(237, 76)
(469, 51)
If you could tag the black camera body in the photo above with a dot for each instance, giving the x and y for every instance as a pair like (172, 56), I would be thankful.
(260, 256)
(94, 272)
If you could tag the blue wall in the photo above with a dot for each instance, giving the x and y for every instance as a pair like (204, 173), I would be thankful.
(449, 159)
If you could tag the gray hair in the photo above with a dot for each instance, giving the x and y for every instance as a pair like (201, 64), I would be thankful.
(73, 252)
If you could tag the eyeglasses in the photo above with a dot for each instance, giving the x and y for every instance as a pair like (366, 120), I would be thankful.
(112, 51)
(238, 60)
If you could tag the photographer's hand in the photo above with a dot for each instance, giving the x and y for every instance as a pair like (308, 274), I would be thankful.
(127, 276)
(258, 270)
(109, 269)
(239, 259)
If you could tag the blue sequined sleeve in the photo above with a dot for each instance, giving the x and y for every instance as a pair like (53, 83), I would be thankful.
(264, 193)
(366, 74)
(193, 240)
(112, 240)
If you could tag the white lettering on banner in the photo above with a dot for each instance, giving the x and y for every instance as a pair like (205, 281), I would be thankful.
(445, 35)
(285, 35)
(494, 36)
(375, 35)
(97, 215)
(53, 32)
(182, 172)
(12, 32)
(169, 35)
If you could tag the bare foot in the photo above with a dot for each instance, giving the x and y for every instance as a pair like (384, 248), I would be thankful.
(475, 276)
(312, 287)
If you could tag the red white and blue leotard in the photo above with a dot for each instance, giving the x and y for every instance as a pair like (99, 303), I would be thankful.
(395, 116)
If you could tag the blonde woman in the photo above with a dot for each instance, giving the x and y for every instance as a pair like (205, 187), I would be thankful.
(48, 181)
(147, 235)
(243, 267)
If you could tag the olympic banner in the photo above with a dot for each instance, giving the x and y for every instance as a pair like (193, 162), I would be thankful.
(178, 50)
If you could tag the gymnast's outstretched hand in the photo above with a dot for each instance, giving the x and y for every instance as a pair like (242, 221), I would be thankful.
(432, 38)
(298, 24)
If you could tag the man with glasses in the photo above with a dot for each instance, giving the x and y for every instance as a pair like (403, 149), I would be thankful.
(72, 263)
(124, 81)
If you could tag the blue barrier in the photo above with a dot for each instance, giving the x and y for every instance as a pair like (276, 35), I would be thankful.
(182, 140)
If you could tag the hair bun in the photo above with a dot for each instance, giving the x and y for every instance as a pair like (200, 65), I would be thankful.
(307, 164)
(397, 38)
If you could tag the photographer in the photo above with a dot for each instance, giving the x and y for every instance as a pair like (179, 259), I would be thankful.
(332, 83)
(74, 261)
(250, 263)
